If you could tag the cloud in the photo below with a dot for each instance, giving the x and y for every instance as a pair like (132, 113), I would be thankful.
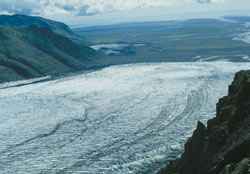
(14, 6)
(84, 7)
(210, 1)
(204, 1)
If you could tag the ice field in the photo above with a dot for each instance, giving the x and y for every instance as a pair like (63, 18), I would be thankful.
(121, 119)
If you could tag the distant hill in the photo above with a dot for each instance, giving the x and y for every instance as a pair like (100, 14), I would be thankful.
(34, 47)
(221, 39)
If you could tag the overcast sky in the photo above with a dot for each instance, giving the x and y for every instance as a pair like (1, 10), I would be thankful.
(96, 12)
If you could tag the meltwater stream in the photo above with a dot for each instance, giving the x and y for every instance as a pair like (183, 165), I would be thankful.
(122, 119)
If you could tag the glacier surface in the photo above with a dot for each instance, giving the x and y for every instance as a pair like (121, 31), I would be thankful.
(121, 119)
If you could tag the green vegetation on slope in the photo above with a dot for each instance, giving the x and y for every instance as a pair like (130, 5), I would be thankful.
(35, 51)
(23, 20)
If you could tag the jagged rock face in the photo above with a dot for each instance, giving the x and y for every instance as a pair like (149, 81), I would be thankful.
(224, 146)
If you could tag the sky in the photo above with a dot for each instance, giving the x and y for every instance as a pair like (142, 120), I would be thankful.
(98, 12)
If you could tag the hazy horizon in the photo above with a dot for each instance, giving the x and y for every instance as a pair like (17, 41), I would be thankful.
(98, 12)
(183, 16)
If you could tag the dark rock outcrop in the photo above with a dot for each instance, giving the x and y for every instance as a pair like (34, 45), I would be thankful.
(224, 146)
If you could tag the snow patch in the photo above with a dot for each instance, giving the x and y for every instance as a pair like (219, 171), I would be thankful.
(245, 37)
(139, 45)
(226, 20)
(109, 49)
(109, 46)
(246, 58)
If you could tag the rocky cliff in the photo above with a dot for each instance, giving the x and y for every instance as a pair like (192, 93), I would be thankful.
(223, 147)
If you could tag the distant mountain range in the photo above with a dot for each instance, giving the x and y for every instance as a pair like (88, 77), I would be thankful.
(34, 47)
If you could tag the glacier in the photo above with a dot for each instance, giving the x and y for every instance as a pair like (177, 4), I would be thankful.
(120, 119)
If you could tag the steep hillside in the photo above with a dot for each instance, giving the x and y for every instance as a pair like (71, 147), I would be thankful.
(23, 20)
(35, 50)
(224, 146)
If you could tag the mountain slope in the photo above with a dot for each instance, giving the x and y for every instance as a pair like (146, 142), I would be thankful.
(224, 146)
(34, 51)
(23, 20)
